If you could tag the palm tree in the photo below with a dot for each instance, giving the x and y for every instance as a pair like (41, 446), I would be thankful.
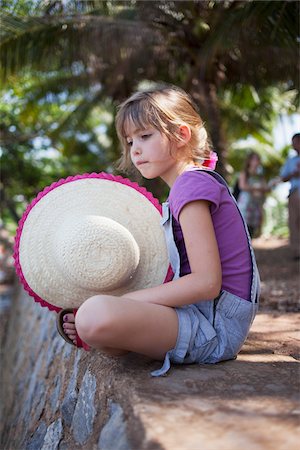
(204, 46)
(219, 45)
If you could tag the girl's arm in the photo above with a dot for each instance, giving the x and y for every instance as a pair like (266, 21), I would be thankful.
(204, 281)
(294, 174)
(243, 185)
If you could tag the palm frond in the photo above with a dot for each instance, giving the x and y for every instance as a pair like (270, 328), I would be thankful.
(253, 27)
(55, 42)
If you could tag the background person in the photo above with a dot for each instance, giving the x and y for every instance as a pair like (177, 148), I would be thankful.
(291, 172)
(252, 193)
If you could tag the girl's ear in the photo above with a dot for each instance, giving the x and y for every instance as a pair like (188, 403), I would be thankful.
(185, 135)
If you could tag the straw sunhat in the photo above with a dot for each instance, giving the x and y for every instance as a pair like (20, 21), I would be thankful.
(90, 234)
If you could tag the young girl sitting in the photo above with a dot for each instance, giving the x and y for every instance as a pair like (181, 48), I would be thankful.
(204, 314)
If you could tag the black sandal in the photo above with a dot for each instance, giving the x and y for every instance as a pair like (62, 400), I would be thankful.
(59, 324)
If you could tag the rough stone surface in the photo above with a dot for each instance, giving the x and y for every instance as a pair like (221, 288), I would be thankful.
(55, 394)
(53, 436)
(37, 440)
(70, 399)
(83, 419)
(113, 435)
(59, 397)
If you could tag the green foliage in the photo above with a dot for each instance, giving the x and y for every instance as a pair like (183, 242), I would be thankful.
(66, 64)
(42, 140)
(249, 117)
(276, 218)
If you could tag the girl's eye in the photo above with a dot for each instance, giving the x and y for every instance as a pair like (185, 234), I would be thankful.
(143, 137)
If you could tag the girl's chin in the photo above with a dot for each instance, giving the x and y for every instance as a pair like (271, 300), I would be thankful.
(148, 176)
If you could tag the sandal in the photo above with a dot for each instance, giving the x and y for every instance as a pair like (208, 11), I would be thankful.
(60, 329)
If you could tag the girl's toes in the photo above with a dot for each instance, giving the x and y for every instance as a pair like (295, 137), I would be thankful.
(69, 318)
(71, 333)
(72, 337)
(69, 327)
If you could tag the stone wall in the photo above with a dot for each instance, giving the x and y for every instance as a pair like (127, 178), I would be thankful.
(58, 397)
(55, 396)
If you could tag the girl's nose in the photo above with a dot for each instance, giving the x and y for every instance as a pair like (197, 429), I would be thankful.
(135, 149)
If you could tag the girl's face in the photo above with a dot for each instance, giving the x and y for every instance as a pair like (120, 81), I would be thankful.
(150, 153)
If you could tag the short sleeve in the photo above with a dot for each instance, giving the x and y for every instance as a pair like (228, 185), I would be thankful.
(192, 186)
(287, 169)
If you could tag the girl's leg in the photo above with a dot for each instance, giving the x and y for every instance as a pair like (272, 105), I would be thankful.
(70, 330)
(123, 324)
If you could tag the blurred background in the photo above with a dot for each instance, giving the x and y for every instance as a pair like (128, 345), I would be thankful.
(66, 65)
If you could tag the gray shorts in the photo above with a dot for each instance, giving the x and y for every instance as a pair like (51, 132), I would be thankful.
(210, 331)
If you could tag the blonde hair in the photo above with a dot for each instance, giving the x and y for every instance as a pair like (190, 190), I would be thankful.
(166, 109)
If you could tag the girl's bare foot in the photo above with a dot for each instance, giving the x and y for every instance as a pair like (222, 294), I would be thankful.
(69, 327)
(70, 331)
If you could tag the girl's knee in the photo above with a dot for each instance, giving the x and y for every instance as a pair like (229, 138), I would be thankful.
(94, 320)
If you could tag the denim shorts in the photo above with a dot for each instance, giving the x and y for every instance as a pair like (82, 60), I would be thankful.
(210, 331)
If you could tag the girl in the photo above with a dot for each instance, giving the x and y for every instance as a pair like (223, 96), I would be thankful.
(204, 314)
(253, 189)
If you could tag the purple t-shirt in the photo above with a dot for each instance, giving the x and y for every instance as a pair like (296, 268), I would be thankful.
(228, 225)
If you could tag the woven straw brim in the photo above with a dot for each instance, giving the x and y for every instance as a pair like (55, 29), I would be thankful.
(55, 216)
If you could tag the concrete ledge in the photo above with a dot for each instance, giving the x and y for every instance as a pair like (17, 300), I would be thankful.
(58, 397)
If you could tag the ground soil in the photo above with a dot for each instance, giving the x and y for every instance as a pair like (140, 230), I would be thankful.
(279, 272)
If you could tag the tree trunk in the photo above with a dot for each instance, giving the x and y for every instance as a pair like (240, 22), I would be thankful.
(205, 96)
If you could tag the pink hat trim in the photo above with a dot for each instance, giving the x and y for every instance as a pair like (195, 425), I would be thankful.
(45, 191)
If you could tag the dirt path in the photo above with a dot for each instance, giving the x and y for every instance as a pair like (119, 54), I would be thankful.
(280, 281)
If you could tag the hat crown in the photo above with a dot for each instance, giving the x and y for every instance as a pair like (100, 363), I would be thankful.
(96, 252)
(64, 252)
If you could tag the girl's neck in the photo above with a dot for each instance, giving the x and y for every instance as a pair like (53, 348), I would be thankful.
(187, 166)
(181, 167)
